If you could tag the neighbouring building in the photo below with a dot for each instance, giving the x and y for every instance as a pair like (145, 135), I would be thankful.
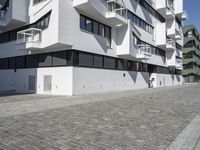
(71, 47)
(191, 54)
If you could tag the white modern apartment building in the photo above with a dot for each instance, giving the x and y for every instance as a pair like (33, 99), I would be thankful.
(71, 47)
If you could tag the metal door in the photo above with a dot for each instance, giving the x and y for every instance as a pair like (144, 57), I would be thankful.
(47, 83)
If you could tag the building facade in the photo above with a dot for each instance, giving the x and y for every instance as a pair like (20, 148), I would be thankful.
(71, 47)
(191, 54)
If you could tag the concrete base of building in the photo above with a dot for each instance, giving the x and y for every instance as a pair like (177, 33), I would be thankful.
(80, 80)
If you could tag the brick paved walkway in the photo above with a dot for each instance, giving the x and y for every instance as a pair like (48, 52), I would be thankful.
(147, 119)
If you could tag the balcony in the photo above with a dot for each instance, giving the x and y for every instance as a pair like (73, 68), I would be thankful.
(10, 16)
(29, 39)
(117, 12)
(166, 8)
(170, 44)
(179, 34)
(183, 16)
(143, 52)
(112, 12)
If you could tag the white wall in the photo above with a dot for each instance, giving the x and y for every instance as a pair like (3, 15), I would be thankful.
(101, 80)
(162, 80)
(61, 80)
(11, 80)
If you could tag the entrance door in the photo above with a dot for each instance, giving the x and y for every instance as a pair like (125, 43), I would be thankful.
(47, 84)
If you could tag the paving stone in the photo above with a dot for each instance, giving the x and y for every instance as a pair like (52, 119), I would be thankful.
(147, 119)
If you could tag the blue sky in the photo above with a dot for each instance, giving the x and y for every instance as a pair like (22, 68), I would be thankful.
(193, 9)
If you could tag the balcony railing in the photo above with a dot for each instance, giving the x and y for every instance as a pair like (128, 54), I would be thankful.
(179, 63)
(179, 34)
(143, 51)
(118, 8)
(29, 35)
(184, 15)
(171, 42)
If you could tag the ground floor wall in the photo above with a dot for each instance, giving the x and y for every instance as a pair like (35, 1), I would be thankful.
(80, 80)
(87, 80)
(162, 80)
(58, 80)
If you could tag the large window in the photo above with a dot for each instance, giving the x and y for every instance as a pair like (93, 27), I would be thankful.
(109, 63)
(85, 59)
(82, 59)
(140, 22)
(20, 62)
(45, 59)
(32, 61)
(60, 58)
(151, 10)
(4, 63)
(98, 61)
(95, 27)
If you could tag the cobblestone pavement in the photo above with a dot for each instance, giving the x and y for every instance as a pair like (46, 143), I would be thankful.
(147, 119)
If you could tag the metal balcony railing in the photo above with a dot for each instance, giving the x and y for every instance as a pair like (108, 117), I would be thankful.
(144, 49)
(29, 35)
(119, 8)
(179, 62)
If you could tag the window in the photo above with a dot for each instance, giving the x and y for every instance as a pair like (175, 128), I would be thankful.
(109, 63)
(95, 27)
(82, 22)
(4, 37)
(98, 61)
(32, 61)
(101, 30)
(151, 10)
(85, 59)
(140, 22)
(108, 36)
(88, 25)
(4, 63)
(20, 62)
(59, 58)
(11, 63)
(45, 60)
